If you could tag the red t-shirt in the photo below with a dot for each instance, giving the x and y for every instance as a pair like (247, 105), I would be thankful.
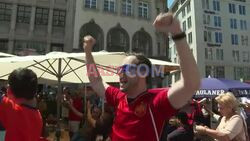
(22, 123)
(78, 104)
(133, 121)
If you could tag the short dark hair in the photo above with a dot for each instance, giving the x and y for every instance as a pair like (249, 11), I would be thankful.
(145, 61)
(183, 117)
(23, 83)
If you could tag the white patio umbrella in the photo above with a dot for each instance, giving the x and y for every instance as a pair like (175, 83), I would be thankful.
(2, 54)
(70, 67)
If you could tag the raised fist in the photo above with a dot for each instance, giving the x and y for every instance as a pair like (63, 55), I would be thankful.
(167, 23)
(88, 43)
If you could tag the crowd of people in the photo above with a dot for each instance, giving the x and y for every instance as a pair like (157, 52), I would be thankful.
(132, 112)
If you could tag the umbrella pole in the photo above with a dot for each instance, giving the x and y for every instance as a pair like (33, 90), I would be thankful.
(59, 94)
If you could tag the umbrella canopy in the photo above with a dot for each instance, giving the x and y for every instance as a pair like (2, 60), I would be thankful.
(211, 87)
(2, 54)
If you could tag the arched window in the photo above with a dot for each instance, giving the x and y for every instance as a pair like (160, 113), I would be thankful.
(91, 28)
(142, 43)
(117, 39)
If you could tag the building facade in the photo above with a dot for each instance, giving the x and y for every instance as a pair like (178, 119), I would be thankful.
(30, 27)
(40, 26)
(120, 25)
(218, 32)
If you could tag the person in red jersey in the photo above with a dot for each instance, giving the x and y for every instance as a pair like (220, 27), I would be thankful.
(19, 116)
(74, 119)
(140, 112)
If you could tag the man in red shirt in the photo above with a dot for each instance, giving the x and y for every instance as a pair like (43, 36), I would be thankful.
(18, 115)
(140, 112)
(75, 120)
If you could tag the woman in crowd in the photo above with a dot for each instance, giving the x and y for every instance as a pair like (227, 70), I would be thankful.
(98, 124)
(232, 127)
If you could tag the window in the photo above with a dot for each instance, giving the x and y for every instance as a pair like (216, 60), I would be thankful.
(24, 48)
(209, 53)
(218, 37)
(184, 25)
(234, 39)
(217, 21)
(118, 39)
(206, 53)
(232, 8)
(236, 56)
(127, 7)
(219, 72)
(242, 10)
(190, 40)
(189, 22)
(143, 10)
(245, 25)
(183, 12)
(188, 7)
(5, 12)
(42, 15)
(3, 45)
(207, 4)
(23, 14)
(59, 18)
(244, 40)
(209, 35)
(241, 73)
(142, 42)
(215, 71)
(245, 56)
(208, 71)
(206, 19)
(205, 36)
(242, 24)
(216, 5)
(90, 4)
(219, 54)
(109, 5)
(233, 23)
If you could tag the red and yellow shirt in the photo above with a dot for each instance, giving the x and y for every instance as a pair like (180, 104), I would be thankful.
(21, 123)
(132, 120)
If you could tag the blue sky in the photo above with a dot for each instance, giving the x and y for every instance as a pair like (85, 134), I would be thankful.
(170, 2)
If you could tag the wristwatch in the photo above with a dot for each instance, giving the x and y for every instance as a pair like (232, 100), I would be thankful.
(179, 36)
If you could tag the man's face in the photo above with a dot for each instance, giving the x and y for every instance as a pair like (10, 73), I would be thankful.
(128, 74)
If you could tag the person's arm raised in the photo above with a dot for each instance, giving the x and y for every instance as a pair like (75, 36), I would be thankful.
(185, 88)
(94, 77)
